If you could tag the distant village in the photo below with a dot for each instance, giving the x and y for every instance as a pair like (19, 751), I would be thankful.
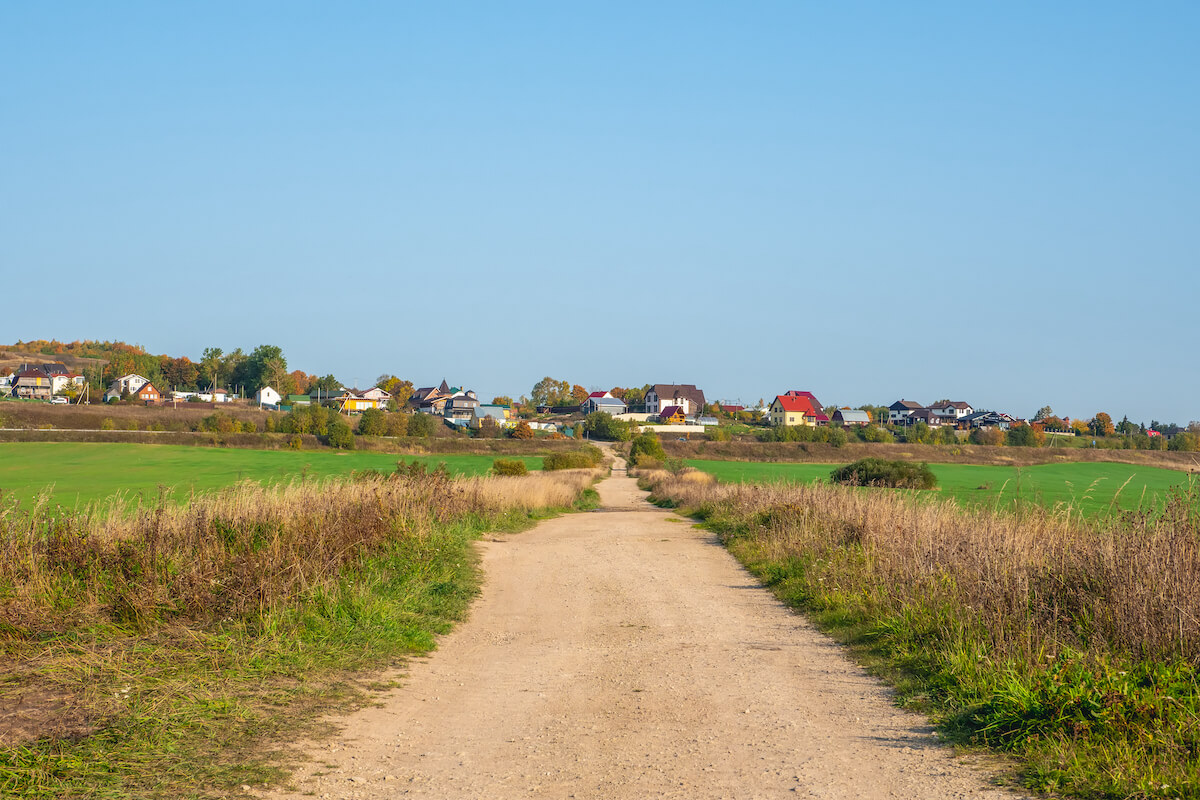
(668, 408)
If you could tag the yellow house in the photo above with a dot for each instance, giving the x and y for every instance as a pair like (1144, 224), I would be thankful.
(672, 415)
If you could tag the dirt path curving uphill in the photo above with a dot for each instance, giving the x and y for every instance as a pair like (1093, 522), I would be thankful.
(624, 654)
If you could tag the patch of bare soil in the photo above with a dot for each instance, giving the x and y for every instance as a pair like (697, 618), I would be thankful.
(625, 654)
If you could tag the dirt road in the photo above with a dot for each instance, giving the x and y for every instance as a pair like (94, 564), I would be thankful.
(624, 654)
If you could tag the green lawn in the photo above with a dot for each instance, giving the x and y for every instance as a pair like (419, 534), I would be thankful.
(81, 473)
(1088, 486)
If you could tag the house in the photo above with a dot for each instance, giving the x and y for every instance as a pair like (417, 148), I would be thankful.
(900, 409)
(851, 416)
(125, 385)
(460, 405)
(925, 415)
(486, 411)
(432, 399)
(147, 393)
(213, 396)
(672, 415)
(603, 401)
(818, 411)
(32, 384)
(951, 410)
(266, 396)
(684, 395)
(987, 419)
(376, 394)
(796, 408)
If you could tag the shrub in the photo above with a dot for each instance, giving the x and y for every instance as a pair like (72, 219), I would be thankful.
(509, 466)
(586, 458)
(107, 424)
(601, 425)
(372, 423)
(1185, 442)
(881, 472)
(716, 433)
(646, 446)
(397, 424)
(295, 442)
(874, 433)
(522, 431)
(422, 425)
(340, 435)
(988, 436)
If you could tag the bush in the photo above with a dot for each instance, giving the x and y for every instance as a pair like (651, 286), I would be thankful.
(874, 433)
(522, 431)
(107, 424)
(1185, 442)
(340, 435)
(372, 423)
(646, 446)
(397, 424)
(717, 433)
(295, 442)
(988, 436)
(601, 425)
(422, 425)
(509, 466)
(586, 458)
(880, 472)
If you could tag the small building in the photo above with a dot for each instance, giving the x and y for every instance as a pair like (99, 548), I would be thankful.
(604, 402)
(148, 394)
(266, 396)
(925, 415)
(851, 417)
(672, 415)
(485, 411)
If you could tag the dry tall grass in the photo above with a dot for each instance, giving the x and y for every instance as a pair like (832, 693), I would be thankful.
(1035, 582)
(236, 553)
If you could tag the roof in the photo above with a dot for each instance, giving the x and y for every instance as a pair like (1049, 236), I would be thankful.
(670, 391)
(852, 415)
(595, 395)
(607, 401)
(902, 405)
(732, 409)
(671, 411)
(803, 402)
(495, 412)
(31, 373)
(951, 404)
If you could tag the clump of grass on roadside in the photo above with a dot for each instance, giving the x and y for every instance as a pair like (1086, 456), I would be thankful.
(1069, 643)
(207, 629)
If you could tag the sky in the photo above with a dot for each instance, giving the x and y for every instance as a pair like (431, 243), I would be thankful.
(996, 203)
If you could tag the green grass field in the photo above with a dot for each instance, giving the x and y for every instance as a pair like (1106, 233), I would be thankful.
(1090, 487)
(82, 473)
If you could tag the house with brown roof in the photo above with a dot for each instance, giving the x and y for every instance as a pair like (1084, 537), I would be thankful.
(672, 415)
(32, 384)
(684, 395)
(900, 409)
(147, 393)
(952, 410)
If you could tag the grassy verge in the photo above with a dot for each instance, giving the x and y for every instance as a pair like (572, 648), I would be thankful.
(168, 653)
(1069, 644)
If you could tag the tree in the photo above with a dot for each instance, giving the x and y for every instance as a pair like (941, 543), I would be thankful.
(551, 392)
(1079, 426)
(522, 431)
(646, 447)
(340, 435)
(1025, 436)
(1185, 442)
(1127, 428)
(327, 386)
(502, 400)
(211, 364)
(988, 436)
(1045, 412)
(400, 390)
(265, 366)
(1101, 425)
(601, 425)
(579, 394)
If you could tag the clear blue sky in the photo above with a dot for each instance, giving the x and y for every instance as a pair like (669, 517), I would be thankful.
(998, 203)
